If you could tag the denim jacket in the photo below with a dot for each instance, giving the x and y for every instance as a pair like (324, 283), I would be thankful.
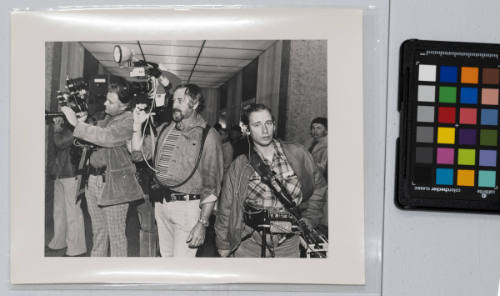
(111, 135)
(229, 225)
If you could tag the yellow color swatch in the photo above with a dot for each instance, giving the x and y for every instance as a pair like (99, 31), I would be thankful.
(446, 135)
(470, 75)
(465, 177)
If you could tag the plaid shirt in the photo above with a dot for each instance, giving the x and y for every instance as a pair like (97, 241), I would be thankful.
(261, 196)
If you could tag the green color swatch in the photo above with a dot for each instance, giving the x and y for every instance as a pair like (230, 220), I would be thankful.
(447, 94)
(467, 156)
(488, 137)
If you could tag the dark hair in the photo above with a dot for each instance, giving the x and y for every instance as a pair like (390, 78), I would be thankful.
(218, 127)
(236, 128)
(121, 87)
(254, 107)
(321, 120)
(194, 92)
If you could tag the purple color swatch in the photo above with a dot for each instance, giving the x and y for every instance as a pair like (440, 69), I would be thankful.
(488, 158)
(445, 155)
(466, 136)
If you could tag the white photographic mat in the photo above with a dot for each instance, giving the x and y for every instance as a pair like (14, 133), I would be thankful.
(342, 28)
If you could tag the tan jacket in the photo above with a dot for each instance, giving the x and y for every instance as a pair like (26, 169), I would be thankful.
(111, 135)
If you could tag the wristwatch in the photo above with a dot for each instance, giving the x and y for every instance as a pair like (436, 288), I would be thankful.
(203, 221)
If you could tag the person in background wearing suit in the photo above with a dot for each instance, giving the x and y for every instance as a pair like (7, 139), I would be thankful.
(227, 148)
(318, 146)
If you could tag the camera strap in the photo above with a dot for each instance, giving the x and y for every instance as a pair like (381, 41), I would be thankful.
(202, 145)
(268, 177)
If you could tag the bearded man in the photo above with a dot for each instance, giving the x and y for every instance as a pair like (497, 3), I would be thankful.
(188, 165)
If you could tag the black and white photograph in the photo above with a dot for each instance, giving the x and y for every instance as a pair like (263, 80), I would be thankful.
(197, 146)
(191, 148)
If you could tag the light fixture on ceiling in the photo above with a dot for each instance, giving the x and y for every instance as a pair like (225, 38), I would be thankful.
(122, 54)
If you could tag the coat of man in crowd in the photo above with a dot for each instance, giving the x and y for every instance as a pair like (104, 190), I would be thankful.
(318, 146)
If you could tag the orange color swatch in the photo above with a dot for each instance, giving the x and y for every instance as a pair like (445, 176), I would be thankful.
(470, 75)
(465, 177)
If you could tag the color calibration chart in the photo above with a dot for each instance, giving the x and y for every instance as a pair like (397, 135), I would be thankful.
(459, 105)
(450, 110)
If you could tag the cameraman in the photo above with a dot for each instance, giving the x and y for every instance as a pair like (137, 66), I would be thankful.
(112, 183)
(188, 166)
(69, 229)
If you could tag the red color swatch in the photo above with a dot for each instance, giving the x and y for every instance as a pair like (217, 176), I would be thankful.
(468, 115)
(446, 115)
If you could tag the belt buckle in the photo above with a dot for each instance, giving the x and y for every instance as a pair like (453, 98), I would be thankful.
(179, 197)
(173, 197)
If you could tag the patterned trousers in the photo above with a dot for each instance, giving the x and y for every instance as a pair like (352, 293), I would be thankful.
(108, 223)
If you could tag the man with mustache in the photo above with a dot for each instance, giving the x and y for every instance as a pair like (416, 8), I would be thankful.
(189, 166)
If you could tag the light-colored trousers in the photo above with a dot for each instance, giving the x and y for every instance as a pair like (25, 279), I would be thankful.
(175, 220)
(108, 223)
(69, 228)
(148, 234)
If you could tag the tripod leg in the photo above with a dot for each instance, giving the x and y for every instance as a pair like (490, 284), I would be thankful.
(263, 244)
(83, 159)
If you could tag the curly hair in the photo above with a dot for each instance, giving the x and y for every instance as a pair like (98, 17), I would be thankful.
(194, 92)
(321, 120)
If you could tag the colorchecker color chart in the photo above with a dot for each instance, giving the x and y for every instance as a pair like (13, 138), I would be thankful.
(448, 146)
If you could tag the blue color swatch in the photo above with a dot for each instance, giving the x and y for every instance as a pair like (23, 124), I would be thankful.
(489, 117)
(468, 95)
(448, 74)
(444, 176)
(488, 158)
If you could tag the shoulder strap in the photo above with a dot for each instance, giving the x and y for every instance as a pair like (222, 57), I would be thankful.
(157, 141)
(203, 138)
(268, 177)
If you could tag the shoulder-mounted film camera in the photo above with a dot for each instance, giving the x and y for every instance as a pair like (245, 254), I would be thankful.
(75, 96)
(149, 86)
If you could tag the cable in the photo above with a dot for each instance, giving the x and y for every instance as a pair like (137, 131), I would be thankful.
(196, 62)
(149, 122)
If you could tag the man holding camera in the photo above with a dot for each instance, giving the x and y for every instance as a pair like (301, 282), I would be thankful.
(253, 218)
(112, 184)
(188, 167)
